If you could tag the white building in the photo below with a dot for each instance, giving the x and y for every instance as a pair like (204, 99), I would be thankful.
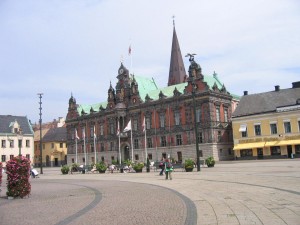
(17, 137)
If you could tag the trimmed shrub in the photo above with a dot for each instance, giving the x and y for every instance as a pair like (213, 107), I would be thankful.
(101, 166)
(65, 169)
(210, 161)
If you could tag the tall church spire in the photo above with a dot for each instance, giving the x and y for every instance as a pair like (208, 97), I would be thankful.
(177, 72)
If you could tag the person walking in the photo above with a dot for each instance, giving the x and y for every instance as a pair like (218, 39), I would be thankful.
(168, 169)
(162, 166)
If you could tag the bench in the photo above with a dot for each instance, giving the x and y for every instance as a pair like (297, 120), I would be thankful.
(76, 170)
(178, 166)
(175, 166)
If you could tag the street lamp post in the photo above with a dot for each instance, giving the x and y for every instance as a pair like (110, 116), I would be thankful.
(196, 126)
(20, 138)
(41, 138)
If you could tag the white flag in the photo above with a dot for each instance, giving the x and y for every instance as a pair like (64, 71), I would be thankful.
(144, 125)
(128, 127)
(76, 135)
(118, 130)
(95, 132)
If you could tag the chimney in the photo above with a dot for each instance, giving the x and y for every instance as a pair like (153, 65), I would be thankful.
(245, 92)
(296, 84)
(277, 88)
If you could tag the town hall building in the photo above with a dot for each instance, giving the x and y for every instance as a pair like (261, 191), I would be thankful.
(161, 121)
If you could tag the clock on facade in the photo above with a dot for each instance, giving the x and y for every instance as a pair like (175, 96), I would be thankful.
(120, 71)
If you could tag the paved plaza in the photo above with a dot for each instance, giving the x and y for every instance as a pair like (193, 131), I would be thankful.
(236, 192)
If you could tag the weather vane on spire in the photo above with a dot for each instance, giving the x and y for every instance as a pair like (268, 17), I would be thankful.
(121, 60)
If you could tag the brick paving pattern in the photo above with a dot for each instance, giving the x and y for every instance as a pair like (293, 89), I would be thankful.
(238, 192)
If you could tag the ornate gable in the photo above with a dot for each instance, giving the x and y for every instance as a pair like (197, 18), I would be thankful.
(195, 77)
(123, 85)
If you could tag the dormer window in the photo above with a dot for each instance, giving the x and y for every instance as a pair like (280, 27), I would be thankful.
(15, 127)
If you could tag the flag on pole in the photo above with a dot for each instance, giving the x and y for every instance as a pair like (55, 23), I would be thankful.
(76, 135)
(118, 130)
(144, 125)
(95, 132)
(128, 127)
(129, 50)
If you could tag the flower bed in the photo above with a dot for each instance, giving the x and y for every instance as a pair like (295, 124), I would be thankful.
(17, 170)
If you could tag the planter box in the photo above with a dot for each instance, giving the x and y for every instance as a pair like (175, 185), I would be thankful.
(138, 170)
(189, 169)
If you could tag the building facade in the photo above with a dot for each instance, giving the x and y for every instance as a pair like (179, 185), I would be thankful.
(16, 137)
(267, 125)
(54, 144)
(162, 120)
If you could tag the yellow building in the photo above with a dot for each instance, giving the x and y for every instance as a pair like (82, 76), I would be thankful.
(54, 147)
(267, 125)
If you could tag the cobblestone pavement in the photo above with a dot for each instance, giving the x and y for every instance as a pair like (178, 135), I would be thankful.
(236, 192)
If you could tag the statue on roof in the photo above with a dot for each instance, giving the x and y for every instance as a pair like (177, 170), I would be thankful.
(191, 59)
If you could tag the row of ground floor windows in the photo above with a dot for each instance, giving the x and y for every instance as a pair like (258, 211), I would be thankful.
(4, 157)
(274, 151)
(137, 157)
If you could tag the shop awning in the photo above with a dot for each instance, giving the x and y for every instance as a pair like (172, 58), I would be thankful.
(283, 142)
(249, 145)
(243, 128)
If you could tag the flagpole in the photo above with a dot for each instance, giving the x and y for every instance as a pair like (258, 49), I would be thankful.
(131, 148)
(155, 135)
(76, 146)
(127, 128)
(146, 154)
(119, 142)
(84, 148)
(95, 149)
(170, 150)
(131, 143)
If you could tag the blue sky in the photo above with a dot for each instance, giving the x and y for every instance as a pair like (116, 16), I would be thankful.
(61, 47)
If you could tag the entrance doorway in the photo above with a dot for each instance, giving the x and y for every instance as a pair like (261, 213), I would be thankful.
(55, 161)
(289, 151)
(126, 153)
(260, 153)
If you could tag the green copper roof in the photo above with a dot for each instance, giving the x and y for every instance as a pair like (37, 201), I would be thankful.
(167, 91)
(211, 80)
(86, 108)
(148, 86)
